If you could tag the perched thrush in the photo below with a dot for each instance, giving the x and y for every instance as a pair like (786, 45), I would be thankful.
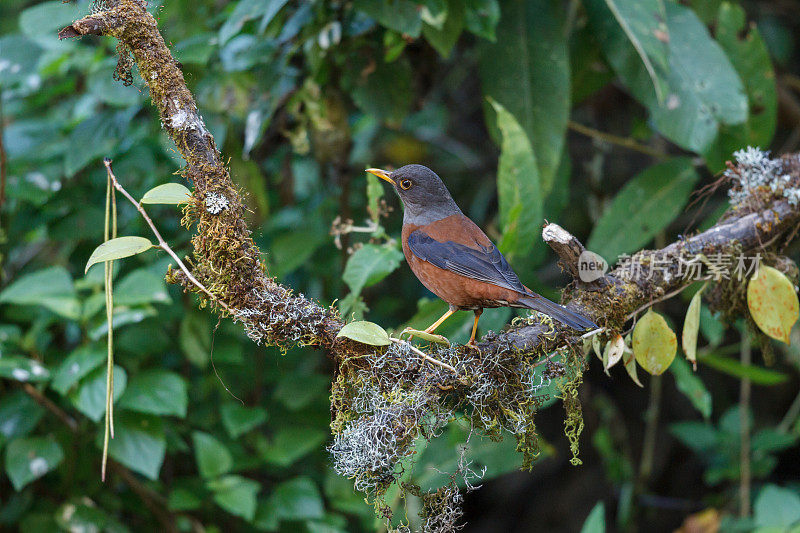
(454, 259)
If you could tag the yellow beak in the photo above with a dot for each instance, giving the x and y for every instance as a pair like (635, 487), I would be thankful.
(382, 174)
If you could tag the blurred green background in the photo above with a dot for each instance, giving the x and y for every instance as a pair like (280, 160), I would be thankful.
(301, 96)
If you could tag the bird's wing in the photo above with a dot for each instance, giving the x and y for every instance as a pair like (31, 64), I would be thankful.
(484, 263)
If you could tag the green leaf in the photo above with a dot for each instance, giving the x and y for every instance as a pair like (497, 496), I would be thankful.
(527, 72)
(444, 39)
(213, 458)
(236, 494)
(297, 499)
(691, 386)
(748, 52)
(654, 343)
(369, 265)
(50, 287)
(77, 365)
(644, 33)
(402, 16)
(596, 521)
(481, 17)
(239, 419)
(20, 57)
(703, 89)
(772, 301)
(777, 507)
(194, 338)
(365, 333)
(167, 193)
(518, 189)
(158, 392)
(22, 369)
(117, 249)
(644, 207)
(139, 443)
(140, 287)
(691, 325)
(19, 414)
(90, 397)
(756, 374)
(386, 92)
(247, 10)
(42, 21)
(292, 443)
(28, 459)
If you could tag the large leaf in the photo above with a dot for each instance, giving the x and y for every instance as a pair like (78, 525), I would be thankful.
(236, 494)
(758, 375)
(748, 52)
(247, 10)
(51, 287)
(139, 443)
(369, 265)
(644, 207)
(22, 369)
(777, 507)
(518, 188)
(403, 16)
(19, 414)
(213, 458)
(77, 365)
(703, 89)
(297, 499)
(140, 287)
(644, 34)
(239, 419)
(90, 397)
(117, 249)
(292, 443)
(654, 343)
(385, 91)
(158, 392)
(31, 458)
(773, 304)
(443, 39)
(527, 72)
(691, 386)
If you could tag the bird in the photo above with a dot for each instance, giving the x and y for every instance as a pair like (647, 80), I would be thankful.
(453, 257)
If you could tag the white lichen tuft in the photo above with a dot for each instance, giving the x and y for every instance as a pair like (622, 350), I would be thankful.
(216, 203)
(755, 169)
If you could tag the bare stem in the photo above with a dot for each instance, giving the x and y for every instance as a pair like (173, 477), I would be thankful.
(744, 428)
(625, 142)
(48, 404)
(423, 355)
(161, 242)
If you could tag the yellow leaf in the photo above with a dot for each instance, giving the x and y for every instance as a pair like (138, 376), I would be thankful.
(654, 343)
(772, 301)
(690, 326)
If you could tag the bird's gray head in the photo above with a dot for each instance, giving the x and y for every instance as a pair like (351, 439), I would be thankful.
(424, 195)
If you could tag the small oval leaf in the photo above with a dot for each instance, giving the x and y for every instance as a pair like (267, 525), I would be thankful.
(691, 324)
(616, 347)
(773, 303)
(630, 366)
(167, 193)
(654, 343)
(117, 249)
(365, 333)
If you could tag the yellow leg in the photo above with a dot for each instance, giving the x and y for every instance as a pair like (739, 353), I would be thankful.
(432, 327)
(475, 327)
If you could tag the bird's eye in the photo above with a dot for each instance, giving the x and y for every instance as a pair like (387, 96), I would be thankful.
(405, 184)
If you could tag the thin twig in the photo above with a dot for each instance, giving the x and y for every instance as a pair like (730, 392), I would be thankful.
(657, 300)
(48, 404)
(610, 138)
(791, 415)
(423, 355)
(744, 428)
(161, 242)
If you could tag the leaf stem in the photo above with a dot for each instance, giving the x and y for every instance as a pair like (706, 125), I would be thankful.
(423, 355)
(625, 142)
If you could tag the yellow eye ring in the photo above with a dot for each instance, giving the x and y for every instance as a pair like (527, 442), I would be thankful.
(405, 184)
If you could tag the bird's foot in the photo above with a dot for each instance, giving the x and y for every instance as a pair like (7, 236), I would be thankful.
(424, 335)
(473, 345)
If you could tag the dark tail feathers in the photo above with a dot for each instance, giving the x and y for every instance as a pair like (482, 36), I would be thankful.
(559, 312)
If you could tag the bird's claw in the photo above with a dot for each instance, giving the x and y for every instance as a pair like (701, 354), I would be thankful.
(430, 337)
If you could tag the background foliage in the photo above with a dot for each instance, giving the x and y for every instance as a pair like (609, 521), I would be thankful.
(506, 100)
